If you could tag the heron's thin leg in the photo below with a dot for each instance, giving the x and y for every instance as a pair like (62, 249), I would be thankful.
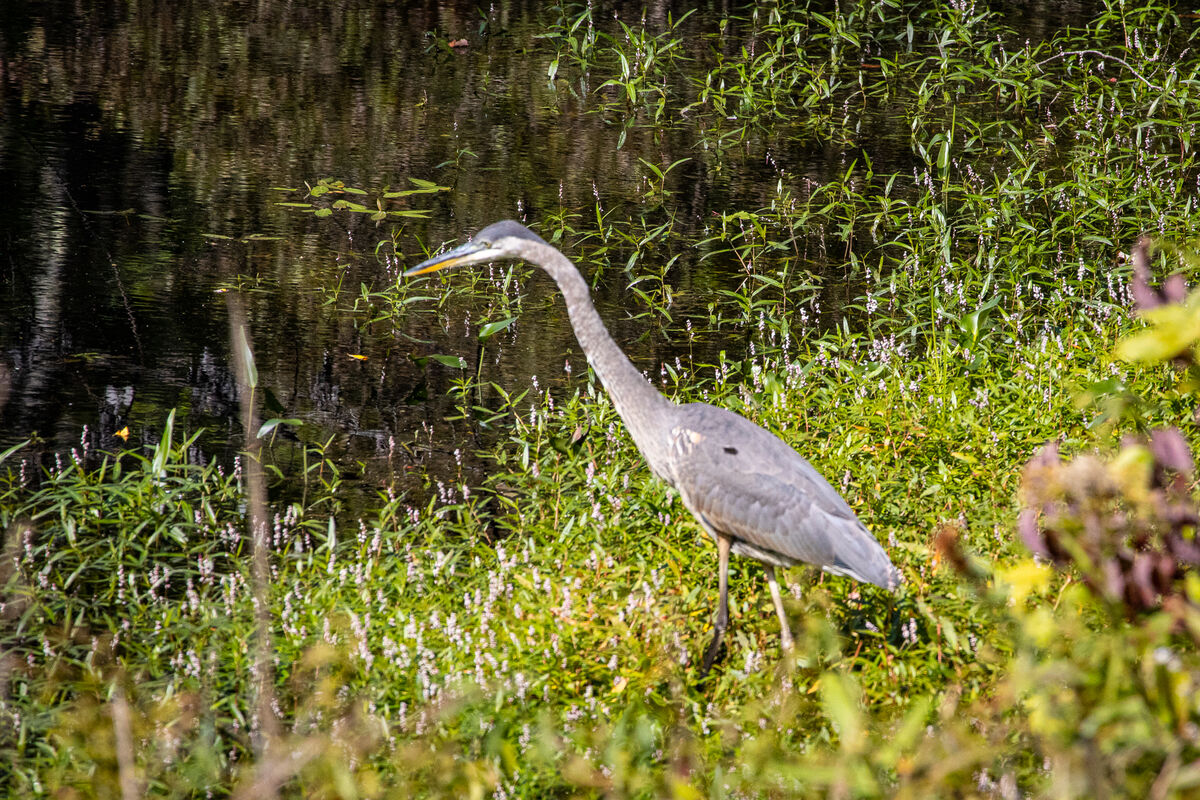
(722, 621)
(784, 630)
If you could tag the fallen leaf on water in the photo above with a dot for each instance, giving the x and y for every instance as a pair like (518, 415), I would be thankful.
(358, 357)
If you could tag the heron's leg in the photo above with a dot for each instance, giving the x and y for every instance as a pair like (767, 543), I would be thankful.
(722, 621)
(784, 631)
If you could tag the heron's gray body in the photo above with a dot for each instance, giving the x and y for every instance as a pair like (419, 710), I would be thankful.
(743, 481)
(752, 493)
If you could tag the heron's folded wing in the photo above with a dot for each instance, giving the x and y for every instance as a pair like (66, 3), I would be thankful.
(749, 484)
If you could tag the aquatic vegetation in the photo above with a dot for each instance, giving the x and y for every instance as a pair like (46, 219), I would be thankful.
(533, 626)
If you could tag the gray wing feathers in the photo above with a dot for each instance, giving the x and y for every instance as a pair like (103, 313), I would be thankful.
(746, 482)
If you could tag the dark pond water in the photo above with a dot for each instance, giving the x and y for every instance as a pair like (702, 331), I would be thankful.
(143, 147)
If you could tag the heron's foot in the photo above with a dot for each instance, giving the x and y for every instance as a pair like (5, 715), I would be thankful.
(710, 655)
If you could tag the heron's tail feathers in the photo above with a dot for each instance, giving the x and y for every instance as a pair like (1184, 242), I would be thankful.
(865, 560)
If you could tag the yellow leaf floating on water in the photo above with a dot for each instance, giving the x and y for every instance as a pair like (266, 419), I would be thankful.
(358, 357)
(123, 433)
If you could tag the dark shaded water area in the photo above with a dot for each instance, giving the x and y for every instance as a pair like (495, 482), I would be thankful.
(146, 149)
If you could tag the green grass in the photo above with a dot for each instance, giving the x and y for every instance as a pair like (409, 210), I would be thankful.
(546, 627)
(538, 632)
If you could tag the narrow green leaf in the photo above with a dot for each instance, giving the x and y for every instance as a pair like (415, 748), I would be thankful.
(158, 465)
(271, 424)
(248, 354)
(839, 695)
(13, 449)
(492, 328)
(449, 361)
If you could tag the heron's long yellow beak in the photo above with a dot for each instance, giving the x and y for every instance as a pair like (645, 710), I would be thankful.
(451, 258)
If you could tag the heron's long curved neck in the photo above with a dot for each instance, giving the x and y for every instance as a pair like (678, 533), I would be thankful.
(641, 406)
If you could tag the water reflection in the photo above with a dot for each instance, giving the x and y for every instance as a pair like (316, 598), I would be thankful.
(143, 146)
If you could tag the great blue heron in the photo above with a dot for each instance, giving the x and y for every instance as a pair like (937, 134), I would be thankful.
(752, 493)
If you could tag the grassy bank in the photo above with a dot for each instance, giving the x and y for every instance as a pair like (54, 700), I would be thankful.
(538, 632)
(545, 628)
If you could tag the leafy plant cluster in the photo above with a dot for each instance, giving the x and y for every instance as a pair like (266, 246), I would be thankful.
(536, 632)
(540, 633)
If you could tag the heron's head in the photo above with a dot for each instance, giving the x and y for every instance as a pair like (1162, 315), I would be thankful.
(496, 242)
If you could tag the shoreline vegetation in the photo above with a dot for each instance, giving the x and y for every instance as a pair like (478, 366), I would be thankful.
(537, 632)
